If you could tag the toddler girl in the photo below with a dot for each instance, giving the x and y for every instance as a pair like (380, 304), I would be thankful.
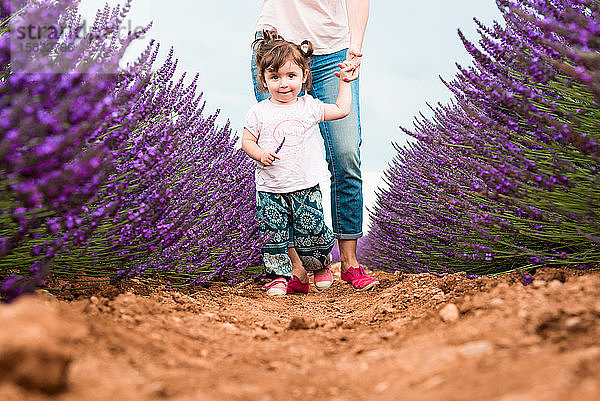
(282, 134)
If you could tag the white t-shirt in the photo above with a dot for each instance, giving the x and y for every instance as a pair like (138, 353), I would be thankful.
(323, 22)
(301, 164)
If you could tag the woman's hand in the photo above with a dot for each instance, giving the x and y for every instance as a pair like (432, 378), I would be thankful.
(268, 157)
(352, 63)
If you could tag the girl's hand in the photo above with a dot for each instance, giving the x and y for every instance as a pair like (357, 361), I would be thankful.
(344, 73)
(268, 157)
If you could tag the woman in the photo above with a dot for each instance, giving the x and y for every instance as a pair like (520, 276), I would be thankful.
(336, 33)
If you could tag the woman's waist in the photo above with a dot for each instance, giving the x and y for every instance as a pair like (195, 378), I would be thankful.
(325, 41)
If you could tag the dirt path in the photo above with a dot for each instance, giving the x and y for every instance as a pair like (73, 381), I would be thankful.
(506, 343)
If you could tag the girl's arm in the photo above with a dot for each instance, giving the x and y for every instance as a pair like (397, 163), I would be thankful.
(250, 146)
(342, 105)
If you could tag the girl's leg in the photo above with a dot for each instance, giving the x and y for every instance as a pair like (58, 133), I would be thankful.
(274, 213)
(313, 240)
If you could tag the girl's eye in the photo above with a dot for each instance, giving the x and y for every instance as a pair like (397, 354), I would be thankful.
(292, 75)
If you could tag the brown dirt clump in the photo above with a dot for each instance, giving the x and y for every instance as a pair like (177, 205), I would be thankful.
(415, 337)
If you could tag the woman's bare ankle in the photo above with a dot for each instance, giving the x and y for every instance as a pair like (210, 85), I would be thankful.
(300, 272)
(344, 266)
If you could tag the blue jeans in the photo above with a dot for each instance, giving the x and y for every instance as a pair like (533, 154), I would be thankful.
(342, 145)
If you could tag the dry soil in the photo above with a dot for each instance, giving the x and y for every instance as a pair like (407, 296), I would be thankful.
(415, 337)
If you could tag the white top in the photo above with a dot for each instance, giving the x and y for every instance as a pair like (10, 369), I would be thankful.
(301, 164)
(323, 22)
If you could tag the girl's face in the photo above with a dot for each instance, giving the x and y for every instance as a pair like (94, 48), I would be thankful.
(285, 84)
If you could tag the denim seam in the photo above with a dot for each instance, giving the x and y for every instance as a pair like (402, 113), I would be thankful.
(349, 236)
(334, 185)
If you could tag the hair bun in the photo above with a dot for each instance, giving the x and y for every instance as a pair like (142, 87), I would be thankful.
(270, 36)
(267, 37)
(307, 48)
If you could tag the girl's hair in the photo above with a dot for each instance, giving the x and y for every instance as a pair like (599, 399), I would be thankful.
(272, 51)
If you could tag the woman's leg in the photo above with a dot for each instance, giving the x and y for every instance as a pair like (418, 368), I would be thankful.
(342, 140)
(297, 269)
(313, 240)
(260, 96)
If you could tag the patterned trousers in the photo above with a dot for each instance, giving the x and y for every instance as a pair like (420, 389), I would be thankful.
(300, 212)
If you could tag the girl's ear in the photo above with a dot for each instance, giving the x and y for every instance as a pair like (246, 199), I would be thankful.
(304, 76)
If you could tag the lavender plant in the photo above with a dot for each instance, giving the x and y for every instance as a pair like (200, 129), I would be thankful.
(109, 171)
(505, 177)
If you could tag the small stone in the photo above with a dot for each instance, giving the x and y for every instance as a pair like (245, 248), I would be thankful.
(449, 313)
(555, 284)
(261, 334)
(439, 297)
(496, 303)
(39, 369)
(94, 300)
(46, 294)
(229, 327)
(33, 339)
(475, 349)
(572, 322)
(386, 308)
(399, 323)
(300, 323)
(538, 283)
(382, 387)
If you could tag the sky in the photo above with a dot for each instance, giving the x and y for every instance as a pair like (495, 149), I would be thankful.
(408, 45)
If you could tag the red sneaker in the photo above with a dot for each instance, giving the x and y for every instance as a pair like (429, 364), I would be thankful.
(358, 278)
(323, 281)
(295, 286)
(276, 287)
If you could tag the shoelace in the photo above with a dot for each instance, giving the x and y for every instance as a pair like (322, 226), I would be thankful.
(274, 283)
(360, 273)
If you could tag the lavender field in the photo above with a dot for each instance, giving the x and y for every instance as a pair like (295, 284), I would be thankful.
(505, 177)
(112, 172)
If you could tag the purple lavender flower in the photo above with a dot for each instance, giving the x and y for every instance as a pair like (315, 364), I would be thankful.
(115, 175)
(505, 174)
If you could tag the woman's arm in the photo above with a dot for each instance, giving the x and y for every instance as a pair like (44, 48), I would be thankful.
(358, 15)
(250, 146)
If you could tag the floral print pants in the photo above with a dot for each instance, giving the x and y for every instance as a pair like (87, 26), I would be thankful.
(300, 212)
